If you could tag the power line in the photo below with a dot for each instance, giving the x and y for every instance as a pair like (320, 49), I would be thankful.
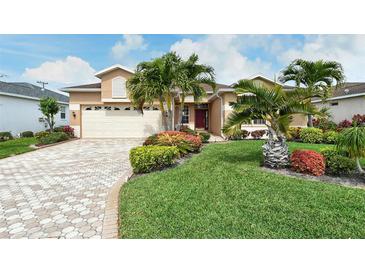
(42, 83)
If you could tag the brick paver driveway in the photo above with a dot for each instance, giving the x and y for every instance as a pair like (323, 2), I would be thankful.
(60, 191)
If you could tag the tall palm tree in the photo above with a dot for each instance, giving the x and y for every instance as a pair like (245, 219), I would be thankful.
(190, 78)
(156, 80)
(317, 77)
(275, 107)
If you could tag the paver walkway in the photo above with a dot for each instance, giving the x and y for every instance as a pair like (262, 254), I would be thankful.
(60, 191)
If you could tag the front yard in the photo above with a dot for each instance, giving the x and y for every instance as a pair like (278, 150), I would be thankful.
(16, 146)
(223, 193)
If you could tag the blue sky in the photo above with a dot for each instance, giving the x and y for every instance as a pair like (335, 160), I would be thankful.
(65, 60)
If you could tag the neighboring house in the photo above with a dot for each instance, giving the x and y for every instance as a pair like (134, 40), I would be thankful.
(103, 110)
(19, 107)
(345, 101)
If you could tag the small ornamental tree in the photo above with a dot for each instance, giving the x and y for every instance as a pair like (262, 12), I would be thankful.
(49, 108)
(352, 141)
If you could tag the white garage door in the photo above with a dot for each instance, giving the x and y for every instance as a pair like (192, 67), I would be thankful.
(119, 122)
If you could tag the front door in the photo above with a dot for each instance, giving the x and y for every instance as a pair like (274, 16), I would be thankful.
(201, 119)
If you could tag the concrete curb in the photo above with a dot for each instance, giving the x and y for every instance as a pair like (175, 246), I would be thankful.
(111, 220)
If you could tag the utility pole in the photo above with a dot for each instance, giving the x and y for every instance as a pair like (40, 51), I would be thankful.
(42, 83)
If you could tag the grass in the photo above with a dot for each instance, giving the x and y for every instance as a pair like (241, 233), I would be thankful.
(16, 146)
(223, 193)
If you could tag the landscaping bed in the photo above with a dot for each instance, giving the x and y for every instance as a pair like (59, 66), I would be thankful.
(223, 192)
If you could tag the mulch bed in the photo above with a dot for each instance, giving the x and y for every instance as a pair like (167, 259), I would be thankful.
(357, 180)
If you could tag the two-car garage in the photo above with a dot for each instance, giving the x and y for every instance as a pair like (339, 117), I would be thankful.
(119, 121)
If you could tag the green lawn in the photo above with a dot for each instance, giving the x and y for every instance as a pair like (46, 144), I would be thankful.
(223, 193)
(16, 146)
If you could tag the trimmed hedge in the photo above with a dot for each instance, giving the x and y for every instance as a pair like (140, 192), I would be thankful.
(337, 164)
(5, 136)
(27, 134)
(308, 162)
(311, 135)
(148, 158)
(52, 138)
(330, 137)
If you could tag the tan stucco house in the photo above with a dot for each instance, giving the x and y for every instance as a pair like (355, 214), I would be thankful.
(103, 110)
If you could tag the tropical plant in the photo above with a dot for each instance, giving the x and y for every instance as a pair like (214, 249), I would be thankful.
(275, 107)
(352, 141)
(156, 80)
(189, 79)
(311, 135)
(330, 137)
(308, 162)
(49, 107)
(336, 163)
(314, 78)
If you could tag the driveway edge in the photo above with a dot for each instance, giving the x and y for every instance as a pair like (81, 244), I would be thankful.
(110, 222)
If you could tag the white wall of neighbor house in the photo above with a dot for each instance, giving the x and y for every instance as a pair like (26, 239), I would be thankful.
(20, 114)
(345, 108)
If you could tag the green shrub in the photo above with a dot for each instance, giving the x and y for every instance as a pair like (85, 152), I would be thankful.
(204, 136)
(148, 158)
(5, 135)
(311, 135)
(324, 124)
(294, 133)
(27, 134)
(330, 137)
(41, 134)
(188, 130)
(52, 138)
(337, 163)
(244, 133)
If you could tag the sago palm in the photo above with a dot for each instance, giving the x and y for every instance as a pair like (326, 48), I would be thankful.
(190, 78)
(316, 77)
(276, 107)
(352, 141)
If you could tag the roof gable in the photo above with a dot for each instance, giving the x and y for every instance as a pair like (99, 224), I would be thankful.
(99, 74)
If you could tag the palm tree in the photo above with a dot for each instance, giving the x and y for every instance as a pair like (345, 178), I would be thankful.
(275, 107)
(352, 141)
(156, 80)
(190, 78)
(316, 77)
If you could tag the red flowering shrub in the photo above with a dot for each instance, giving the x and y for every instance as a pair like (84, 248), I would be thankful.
(183, 141)
(68, 130)
(344, 124)
(358, 119)
(308, 162)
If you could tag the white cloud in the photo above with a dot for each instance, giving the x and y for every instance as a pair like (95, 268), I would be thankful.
(71, 70)
(129, 43)
(223, 53)
(349, 50)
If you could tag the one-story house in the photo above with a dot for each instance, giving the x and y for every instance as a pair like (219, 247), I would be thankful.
(103, 110)
(345, 102)
(19, 107)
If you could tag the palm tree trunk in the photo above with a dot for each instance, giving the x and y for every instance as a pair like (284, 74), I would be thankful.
(310, 120)
(163, 114)
(182, 104)
(358, 165)
(275, 151)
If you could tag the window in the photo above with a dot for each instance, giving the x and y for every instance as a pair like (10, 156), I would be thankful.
(334, 104)
(185, 115)
(258, 121)
(63, 112)
(118, 87)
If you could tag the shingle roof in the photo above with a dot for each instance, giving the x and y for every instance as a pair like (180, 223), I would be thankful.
(26, 89)
(94, 85)
(350, 88)
(98, 85)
